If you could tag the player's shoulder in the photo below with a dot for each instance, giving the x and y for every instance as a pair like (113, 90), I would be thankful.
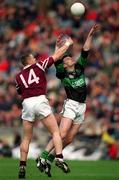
(45, 63)
(41, 61)
(78, 67)
(18, 74)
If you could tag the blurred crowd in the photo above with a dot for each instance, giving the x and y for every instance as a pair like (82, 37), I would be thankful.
(34, 25)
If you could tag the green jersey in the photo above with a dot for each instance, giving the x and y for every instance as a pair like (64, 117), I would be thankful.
(74, 81)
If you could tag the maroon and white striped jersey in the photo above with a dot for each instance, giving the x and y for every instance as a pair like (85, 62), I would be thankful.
(31, 81)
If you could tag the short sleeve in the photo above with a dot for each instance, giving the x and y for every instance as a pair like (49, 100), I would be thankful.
(82, 60)
(44, 64)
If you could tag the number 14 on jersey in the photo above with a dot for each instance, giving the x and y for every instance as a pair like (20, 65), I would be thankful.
(31, 78)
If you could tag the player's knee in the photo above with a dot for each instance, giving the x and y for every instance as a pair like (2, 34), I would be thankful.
(23, 148)
(63, 134)
(27, 136)
(25, 143)
(27, 139)
(70, 139)
(56, 133)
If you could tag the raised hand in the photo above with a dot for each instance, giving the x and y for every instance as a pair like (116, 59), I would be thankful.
(88, 42)
(69, 41)
(59, 41)
(94, 28)
(63, 39)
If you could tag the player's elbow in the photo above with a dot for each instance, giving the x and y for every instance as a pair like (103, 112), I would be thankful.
(63, 134)
(56, 57)
(86, 48)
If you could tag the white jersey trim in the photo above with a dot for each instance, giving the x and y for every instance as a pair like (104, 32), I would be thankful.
(26, 66)
(37, 64)
(45, 63)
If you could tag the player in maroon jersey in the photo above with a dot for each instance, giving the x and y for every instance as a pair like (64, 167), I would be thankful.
(31, 85)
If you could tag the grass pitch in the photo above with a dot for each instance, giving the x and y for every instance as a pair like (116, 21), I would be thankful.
(80, 170)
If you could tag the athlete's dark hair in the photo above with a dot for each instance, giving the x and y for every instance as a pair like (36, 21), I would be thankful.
(24, 58)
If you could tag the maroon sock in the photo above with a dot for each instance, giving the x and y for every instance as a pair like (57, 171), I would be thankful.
(59, 156)
(22, 163)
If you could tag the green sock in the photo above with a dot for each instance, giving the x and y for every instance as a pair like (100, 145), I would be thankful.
(50, 158)
(44, 154)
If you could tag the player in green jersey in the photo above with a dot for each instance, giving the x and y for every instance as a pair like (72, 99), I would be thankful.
(71, 74)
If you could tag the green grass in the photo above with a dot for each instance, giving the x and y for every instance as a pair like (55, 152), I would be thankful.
(80, 170)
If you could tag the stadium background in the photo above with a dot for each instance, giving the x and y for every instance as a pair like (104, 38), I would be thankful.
(34, 25)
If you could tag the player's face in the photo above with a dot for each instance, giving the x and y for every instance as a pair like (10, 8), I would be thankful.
(68, 62)
(31, 59)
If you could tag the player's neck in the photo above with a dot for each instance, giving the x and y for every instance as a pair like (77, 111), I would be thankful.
(28, 65)
(70, 68)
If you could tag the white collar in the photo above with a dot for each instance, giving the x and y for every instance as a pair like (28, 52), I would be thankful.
(26, 66)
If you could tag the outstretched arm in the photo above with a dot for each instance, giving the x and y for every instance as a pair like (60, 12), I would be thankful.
(82, 60)
(88, 42)
(60, 50)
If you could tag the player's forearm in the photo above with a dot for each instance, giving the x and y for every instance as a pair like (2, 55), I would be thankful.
(60, 51)
(88, 43)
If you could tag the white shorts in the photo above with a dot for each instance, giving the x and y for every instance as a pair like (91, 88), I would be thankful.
(37, 106)
(74, 110)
